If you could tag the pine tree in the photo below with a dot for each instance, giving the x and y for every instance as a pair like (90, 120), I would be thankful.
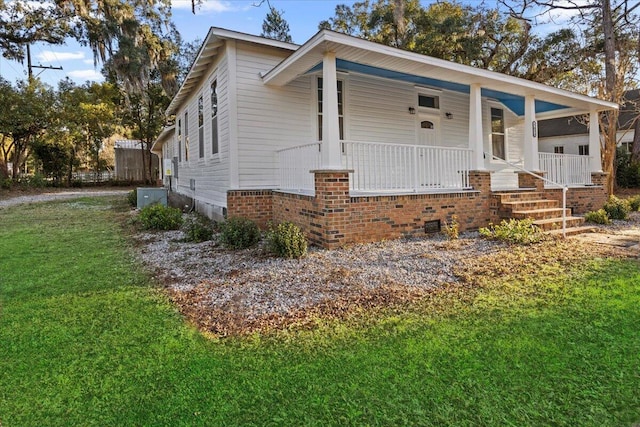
(275, 26)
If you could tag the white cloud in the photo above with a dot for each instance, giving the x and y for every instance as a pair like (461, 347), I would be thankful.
(84, 75)
(51, 56)
(212, 6)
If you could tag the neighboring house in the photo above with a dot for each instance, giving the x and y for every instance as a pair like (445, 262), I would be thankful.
(356, 141)
(129, 164)
(570, 135)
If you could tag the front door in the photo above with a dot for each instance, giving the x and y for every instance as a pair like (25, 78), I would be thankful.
(428, 130)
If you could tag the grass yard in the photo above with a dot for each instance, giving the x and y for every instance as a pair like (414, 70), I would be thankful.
(87, 339)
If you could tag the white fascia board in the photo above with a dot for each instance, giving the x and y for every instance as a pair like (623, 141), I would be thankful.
(214, 40)
(281, 74)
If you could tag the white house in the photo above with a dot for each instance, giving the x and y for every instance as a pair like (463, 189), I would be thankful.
(356, 141)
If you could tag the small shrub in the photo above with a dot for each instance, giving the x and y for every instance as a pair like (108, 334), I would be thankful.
(6, 183)
(158, 217)
(197, 228)
(617, 208)
(132, 198)
(286, 240)
(599, 217)
(452, 228)
(634, 203)
(239, 233)
(514, 231)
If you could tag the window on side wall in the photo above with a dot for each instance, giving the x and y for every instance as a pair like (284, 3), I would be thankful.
(340, 108)
(559, 149)
(497, 133)
(180, 140)
(214, 117)
(186, 136)
(583, 150)
(200, 127)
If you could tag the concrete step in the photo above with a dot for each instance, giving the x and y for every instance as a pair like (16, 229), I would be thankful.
(531, 204)
(520, 196)
(556, 223)
(572, 231)
(546, 213)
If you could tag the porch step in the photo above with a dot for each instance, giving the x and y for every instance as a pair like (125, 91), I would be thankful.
(520, 196)
(572, 231)
(546, 213)
(531, 204)
(556, 223)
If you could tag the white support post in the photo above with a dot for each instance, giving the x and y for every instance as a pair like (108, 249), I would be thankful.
(476, 138)
(331, 153)
(531, 157)
(595, 162)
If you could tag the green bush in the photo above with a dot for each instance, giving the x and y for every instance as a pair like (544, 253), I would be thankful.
(197, 228)
(599, 217)
(514, 231)
(6, 183)
(239, 233)
(132, 198)
(158, 217)
(617, 208)
(286, 240)
(634, 203)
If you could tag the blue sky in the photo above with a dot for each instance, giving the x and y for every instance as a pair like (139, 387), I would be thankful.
(303, 17)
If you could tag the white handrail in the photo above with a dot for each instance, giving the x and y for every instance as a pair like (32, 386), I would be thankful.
(564, 188)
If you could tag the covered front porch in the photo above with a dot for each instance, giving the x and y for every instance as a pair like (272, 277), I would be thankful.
(495, 123)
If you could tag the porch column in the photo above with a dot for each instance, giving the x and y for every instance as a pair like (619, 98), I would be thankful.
(476, 139)
(531, 158)
(595, 162)
(331, 157)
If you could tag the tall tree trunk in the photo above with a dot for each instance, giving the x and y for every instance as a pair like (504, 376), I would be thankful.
(635, 151)
(611, 93)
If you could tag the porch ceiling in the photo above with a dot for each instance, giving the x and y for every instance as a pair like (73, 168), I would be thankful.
(361, 56)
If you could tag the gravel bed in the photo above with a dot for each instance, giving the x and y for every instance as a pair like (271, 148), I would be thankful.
(60, 195)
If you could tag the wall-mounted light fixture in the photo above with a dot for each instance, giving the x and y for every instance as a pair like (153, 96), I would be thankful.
(448, 115)
(412, 110)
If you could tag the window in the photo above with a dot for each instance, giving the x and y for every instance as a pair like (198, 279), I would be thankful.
(214, 117)
(628, 146)
(427, 125)
(583, 150)
(179, 140)
(340, 108)
(497, 133)
(558, 149)
(186, 136)
(428, 101)
(200, 127)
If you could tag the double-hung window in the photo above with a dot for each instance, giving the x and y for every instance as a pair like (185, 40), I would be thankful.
(200, 127)
(497, 133)
(214, 117)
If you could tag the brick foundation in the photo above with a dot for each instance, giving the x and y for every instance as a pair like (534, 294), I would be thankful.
(332, 218)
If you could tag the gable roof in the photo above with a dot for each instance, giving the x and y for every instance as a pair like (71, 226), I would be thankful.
(207, 54)
(576, 125)
(385, 61)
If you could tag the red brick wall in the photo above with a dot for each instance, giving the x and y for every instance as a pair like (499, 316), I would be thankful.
(256, 205)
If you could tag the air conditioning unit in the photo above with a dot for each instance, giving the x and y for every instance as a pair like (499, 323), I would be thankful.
(149, 196)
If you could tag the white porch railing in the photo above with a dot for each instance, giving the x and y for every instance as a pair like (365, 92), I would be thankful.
(566, 169)
(295, 165)
(386, 168)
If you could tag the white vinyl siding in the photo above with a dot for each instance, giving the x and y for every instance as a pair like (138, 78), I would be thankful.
(211, 173)
(269, 118)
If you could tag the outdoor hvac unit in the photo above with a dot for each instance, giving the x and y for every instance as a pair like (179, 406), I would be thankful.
(149, 196)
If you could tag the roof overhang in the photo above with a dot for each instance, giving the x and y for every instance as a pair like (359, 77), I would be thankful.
(164, 136)
(208, 53)
(362, 56)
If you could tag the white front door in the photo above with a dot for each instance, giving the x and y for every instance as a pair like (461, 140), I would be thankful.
(428, 130)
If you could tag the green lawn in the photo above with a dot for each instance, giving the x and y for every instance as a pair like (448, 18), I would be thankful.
(86, 339)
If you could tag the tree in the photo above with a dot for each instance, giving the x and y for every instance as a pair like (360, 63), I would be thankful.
(26, 114)
(275, 26)
(611, 56)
